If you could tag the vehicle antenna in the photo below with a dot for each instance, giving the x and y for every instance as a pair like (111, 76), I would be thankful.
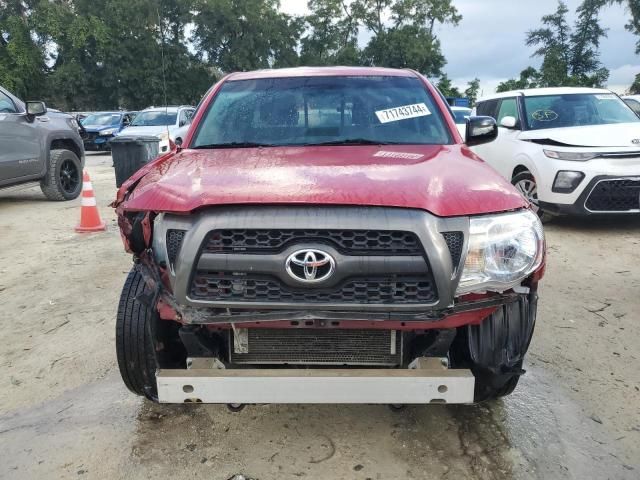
(164, 75)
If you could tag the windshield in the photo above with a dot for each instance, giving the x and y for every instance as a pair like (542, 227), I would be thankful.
(461, 115)
(102, 119)
(576, 110)
(154, 118)
(322, 110)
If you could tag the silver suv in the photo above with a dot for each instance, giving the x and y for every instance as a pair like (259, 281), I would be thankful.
(39, 145)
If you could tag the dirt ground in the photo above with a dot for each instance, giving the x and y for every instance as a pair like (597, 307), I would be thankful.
(64, 412)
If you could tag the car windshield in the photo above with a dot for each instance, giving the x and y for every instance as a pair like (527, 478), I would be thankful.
(154, 118)
(322, 111)
(461, 115)
(576, 110)
(102, 119)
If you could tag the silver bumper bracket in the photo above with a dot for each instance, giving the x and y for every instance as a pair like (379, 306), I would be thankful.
(428, 383)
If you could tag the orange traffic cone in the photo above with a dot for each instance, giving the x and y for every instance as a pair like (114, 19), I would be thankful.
(90, 220)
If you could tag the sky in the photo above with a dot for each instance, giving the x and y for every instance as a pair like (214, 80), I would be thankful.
(489, 41)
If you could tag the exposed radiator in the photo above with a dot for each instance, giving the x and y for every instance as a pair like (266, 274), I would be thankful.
(311, 346)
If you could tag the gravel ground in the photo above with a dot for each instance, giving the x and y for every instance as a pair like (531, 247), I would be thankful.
(64, 412)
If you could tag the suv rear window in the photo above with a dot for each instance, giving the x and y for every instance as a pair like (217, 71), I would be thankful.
(322, 110)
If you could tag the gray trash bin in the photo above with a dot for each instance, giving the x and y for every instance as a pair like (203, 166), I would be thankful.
(131, 153)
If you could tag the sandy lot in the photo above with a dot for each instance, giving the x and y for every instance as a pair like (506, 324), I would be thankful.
(64, 412)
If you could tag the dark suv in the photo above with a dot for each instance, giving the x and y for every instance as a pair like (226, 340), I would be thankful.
(37, 145)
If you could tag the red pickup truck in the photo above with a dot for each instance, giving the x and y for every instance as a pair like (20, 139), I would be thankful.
(325, 235)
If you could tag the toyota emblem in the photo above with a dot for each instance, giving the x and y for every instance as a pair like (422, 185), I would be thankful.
(310, 265)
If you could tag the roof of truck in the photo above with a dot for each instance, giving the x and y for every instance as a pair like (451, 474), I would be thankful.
(321, 72)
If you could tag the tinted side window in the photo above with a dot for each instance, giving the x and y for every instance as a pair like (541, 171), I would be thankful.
(6, 104)
(508, 108)
(487, 109)
(634, 104)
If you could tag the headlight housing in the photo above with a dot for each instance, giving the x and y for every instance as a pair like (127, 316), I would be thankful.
(572, 156)
(109, 131)
(163, 136)
(503, 250)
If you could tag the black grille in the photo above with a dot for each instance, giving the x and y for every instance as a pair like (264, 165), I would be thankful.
(455, 242)
(615, 196)
(348, 242)
(174, 242)
(320, 346)
(225, 286)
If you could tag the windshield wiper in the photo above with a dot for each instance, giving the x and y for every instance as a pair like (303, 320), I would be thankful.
(350, 141)
(233, 145)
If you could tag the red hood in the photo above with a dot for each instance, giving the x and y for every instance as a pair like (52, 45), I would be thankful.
(445, 180)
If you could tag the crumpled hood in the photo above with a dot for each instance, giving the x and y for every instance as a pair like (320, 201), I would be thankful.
(614, 135)
(445, 180)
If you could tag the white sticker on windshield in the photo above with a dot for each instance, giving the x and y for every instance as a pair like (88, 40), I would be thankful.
(402, 113)
(606, 96)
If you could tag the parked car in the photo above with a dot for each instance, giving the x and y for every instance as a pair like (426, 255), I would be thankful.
(634, 103)
(317, 222)
(100, 127)
(568, 150)
(39, 145)
(461, 114)
(166, 123)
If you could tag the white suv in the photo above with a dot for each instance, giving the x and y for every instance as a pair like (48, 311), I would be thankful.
(568, 150)
(166, 123)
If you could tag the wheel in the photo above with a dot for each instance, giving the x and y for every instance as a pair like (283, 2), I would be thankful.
(525, 182)
(134, 345)
(64, 177)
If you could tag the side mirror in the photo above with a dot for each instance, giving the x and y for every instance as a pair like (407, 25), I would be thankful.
(36, 109)
(481, 130)
(508, 122)
(178, 142)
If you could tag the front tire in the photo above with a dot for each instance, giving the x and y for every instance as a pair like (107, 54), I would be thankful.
(526, 184)
(64, 176)
(134, 341)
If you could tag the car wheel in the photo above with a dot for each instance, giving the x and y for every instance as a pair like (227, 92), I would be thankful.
(134, 344)
(64, 177)
(526, 184)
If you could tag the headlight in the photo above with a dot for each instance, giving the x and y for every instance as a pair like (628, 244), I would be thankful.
(110, 131)
(163, 136)
(503, 250)
(573, 156)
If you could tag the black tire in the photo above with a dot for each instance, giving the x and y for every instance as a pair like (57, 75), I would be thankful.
(134, 344)
(64, 176)
(524, 178)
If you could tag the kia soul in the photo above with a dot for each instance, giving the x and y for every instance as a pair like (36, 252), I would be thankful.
(325, 235)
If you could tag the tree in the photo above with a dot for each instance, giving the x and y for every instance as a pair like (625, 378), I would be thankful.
(446, 87)
(635, 86)
(239, 35)
(409, 42)
(529, 78)
(472, 91)
(569, 56)
(22, 58)
(332, 36)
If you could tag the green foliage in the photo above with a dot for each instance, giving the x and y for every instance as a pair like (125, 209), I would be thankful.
(635, 86)
(529, 78)
(472, 91)
(446, 88)
(570, 57)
